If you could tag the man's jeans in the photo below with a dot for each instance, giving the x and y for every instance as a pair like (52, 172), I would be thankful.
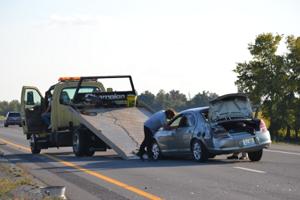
(46, 118)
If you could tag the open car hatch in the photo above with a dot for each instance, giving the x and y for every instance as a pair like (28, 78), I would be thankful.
(230, 107)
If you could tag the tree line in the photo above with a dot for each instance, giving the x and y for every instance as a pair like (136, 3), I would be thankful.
(6, 106)
(175, 99)
(272, 81)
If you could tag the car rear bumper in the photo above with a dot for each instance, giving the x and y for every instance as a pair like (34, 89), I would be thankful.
(236, 149)
(236, 144)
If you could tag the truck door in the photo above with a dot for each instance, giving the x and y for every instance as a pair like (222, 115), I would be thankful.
(31, 110)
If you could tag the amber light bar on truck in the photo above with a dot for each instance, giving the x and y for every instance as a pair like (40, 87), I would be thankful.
(70, 78)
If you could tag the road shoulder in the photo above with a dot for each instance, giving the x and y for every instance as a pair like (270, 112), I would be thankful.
(16, 183)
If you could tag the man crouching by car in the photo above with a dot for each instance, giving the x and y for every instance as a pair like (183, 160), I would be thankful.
(151, 126)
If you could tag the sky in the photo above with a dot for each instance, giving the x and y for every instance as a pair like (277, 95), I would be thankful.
(184, 45)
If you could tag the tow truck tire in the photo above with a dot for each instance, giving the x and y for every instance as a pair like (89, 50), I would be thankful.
(33, 145)
(255, 155)
(89, 152)
(78, 143)
(81, 141)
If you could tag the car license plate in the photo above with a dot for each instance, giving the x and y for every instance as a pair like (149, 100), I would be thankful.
(248, 141)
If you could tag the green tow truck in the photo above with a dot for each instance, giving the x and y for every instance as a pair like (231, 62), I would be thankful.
(87, 114)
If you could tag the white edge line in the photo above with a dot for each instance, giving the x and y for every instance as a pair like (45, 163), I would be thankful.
(250, 170)
(284, 152)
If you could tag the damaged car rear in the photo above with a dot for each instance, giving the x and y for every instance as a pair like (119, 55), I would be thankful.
(226, 126)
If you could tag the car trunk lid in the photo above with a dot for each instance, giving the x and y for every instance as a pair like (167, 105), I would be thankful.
(230, 107)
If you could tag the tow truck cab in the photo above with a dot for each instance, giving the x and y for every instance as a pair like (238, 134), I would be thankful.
(63, 124)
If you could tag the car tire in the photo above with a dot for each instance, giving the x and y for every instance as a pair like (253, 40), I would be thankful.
(35, 149)
(155, 151)
(255, 155)
(199, 151)
(5, 125)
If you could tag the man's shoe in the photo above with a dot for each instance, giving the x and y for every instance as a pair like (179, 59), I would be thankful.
(233, 157)
(243, 158)
(140, 155)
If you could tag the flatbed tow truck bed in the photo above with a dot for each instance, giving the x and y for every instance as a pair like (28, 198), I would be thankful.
(119, 128)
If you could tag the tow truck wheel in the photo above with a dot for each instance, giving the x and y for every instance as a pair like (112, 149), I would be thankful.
(33, 145)
(78, 143)
(255, 155)
(89, 152)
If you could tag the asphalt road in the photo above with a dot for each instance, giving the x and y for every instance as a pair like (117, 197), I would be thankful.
(106, 176)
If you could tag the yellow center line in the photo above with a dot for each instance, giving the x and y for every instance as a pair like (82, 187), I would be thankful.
(90, 172)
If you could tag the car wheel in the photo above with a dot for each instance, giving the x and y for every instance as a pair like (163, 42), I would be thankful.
(5, 125)
(199, 151)
(155, 150)
(33, 145)
(255, 155)
(78, 143)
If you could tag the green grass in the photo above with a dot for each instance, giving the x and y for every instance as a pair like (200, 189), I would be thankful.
(7, 185)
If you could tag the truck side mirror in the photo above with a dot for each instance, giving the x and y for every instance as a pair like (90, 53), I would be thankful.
(29, 99)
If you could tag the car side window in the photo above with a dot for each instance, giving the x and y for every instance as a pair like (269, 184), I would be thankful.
(187, 120)
(191, 120)
(175, 122)
(204, 115)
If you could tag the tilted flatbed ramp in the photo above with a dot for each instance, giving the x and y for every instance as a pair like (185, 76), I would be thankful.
(120, 128)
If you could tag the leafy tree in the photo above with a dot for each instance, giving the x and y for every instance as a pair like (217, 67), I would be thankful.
(175, 99)
(9, 106)
(150, 100)
(271, 80)
(201, 99)
(293, 70)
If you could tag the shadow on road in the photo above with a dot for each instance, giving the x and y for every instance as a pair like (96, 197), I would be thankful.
(107, 162)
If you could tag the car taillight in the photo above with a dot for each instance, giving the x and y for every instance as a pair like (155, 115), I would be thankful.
(262, 126)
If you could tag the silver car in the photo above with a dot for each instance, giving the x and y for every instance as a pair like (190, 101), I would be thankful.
(226, 126)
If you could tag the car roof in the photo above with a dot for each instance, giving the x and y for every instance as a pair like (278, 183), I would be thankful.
(198, 109)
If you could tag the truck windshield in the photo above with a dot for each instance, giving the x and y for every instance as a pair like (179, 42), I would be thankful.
(68, 93)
